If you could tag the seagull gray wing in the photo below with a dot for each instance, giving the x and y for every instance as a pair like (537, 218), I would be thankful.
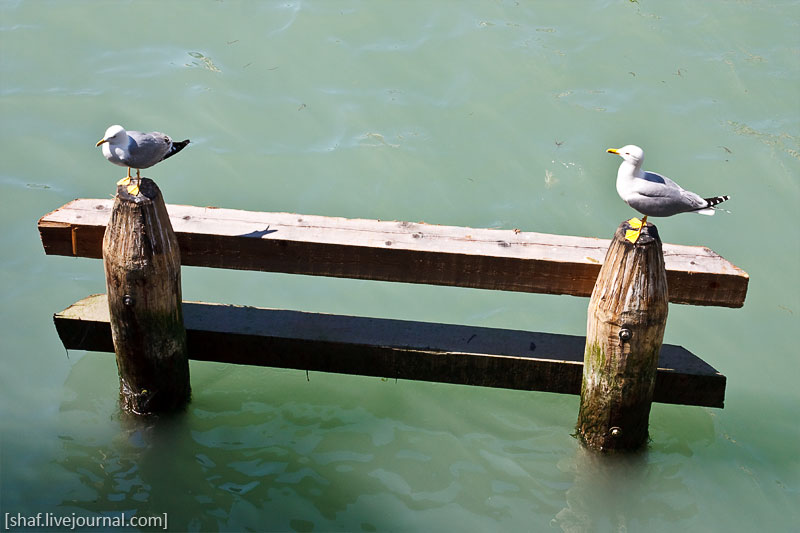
(687, 199)
(658, 195)
(147, 149)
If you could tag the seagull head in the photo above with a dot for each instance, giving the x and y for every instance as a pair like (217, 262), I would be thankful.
(630, 153)
(114, 135)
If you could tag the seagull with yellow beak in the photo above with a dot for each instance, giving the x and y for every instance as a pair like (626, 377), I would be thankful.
(654, 195)
(134, 149)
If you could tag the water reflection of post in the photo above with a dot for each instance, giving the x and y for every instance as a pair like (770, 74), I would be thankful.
(171, 479)
(607, 492)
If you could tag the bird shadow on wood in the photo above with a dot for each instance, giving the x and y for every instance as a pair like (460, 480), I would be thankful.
(258, 234)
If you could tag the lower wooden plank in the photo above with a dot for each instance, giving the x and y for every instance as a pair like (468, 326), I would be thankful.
(399, 349)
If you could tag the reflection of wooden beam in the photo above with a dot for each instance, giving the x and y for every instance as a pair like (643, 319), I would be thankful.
(393, 349)
(396, 251)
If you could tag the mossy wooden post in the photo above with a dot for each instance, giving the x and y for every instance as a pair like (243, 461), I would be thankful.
(625, 328)
(143, 280)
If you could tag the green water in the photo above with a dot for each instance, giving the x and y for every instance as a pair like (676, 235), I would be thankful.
(482, 114)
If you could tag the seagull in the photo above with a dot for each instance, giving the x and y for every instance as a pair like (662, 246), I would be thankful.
(653, 194)
(134, 149)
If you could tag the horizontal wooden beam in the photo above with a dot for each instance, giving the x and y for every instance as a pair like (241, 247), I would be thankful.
(396, 251)
(393, 349)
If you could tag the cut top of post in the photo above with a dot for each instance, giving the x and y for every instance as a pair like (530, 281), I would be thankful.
(396, 251)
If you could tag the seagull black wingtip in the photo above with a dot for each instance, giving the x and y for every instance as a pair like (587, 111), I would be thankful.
(176, 147)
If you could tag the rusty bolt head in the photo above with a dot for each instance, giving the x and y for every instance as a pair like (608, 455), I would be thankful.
(616, 432)
(127, 300)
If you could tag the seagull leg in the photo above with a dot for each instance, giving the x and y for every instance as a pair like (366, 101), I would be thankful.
(127, 179)
(632, 235)
(134, 188)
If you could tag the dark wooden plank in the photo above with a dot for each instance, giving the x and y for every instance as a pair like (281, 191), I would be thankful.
(396, 251)
(400, 349)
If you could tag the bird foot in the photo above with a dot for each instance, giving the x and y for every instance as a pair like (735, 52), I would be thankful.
(133, 189)
(124, 181)
(633, 236)
(635, 223)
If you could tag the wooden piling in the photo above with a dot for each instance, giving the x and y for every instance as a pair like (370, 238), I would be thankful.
(625, 328)
(143, 281)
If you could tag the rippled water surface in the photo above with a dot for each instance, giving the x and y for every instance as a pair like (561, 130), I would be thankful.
(481, 114)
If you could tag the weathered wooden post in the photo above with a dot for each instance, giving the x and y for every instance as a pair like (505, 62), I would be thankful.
(625, 328)
(143, 280)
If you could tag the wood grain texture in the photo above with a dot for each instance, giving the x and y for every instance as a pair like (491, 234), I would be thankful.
(399, 349)
(396, 251)
(143, 279)
(625, 328)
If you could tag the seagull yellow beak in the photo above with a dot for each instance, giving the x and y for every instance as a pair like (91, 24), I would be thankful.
(610, 150)
(101, 141)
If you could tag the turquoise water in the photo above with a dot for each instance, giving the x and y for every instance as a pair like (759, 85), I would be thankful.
(482, 114)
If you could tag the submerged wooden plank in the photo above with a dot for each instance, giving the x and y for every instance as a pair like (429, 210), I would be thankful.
(393, 349)
(396, 251)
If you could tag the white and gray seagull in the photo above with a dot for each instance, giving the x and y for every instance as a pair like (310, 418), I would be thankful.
(652, 194)
(135, 149)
